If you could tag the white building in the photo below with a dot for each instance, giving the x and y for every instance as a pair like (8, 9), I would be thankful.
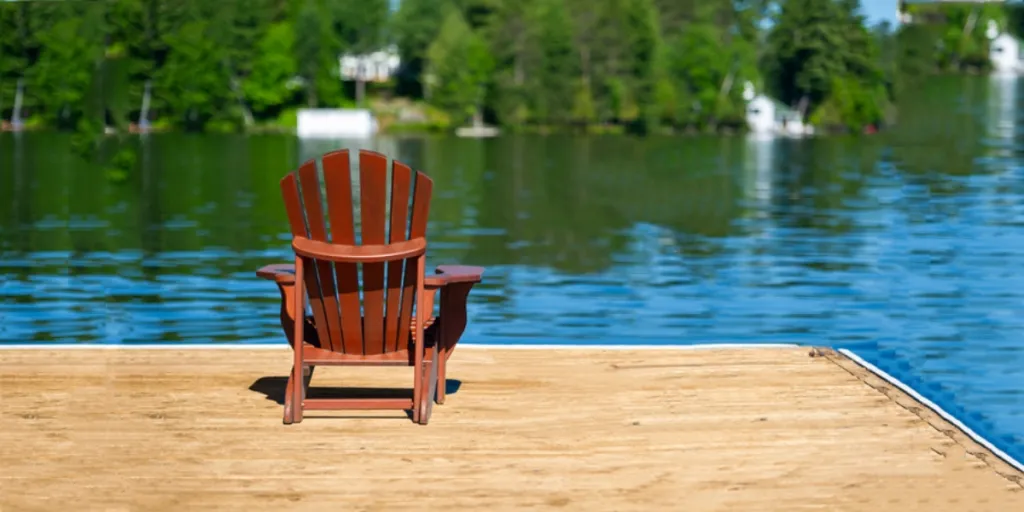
(1004, 53)
(335, 123)
(766, 116)
(358, 123)
(378, 66)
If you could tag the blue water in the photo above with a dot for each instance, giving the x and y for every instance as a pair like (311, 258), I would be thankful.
(907, 248)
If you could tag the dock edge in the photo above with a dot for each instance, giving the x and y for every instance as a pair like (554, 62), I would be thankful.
(942, 413)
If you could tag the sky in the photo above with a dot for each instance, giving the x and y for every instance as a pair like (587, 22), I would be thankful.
(879, 10)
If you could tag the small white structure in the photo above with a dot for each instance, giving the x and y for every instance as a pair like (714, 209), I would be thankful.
(477, 131)
(378, 66)
(1003, 51)
(336, 123)
(766, 116)
(761, 114)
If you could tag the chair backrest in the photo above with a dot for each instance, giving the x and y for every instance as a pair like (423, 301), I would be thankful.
(371, 315)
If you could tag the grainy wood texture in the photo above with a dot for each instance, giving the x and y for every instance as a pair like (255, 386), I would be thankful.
(755, 429)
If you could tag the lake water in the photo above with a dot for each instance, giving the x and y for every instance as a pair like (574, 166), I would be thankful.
(906, 247)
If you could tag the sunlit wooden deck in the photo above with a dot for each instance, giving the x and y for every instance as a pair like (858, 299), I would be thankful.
(739, 429)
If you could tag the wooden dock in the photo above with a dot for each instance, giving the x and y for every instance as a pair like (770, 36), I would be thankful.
(594, 430)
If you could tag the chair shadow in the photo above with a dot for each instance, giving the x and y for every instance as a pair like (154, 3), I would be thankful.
(273, 389)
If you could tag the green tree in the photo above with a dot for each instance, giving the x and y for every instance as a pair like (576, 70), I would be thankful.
(193, 80)
(698, 64)
(15, 39)
(819, 51)
(645, 47)
(414, 27)
(518, 56)
(55, 49)
(243, 25)
(559, 62)
(708, 59)
(134, 42)
(317, 49)
(961, 28)
(150, 35)
(460, 63)
(360, 25)
(617, 42)
(537, 63)
(625, 64)
(267, 86)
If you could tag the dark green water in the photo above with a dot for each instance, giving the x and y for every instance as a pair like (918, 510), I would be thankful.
(905, 246)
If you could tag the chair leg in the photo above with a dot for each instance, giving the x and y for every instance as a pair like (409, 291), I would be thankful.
(288, 396)
(289, 392)
(299, 394)
(429, 372)
(424, 410)
(417, 399)
(442, 360)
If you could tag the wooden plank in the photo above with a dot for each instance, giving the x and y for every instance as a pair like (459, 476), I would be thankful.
(709, 430)
(401, 182)
(373, 168)
(298, 222)
(293, 205)
(322, 271)
(338, 182)
(417, 228)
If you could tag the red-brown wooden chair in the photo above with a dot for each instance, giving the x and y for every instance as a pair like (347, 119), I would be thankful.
(392, 324)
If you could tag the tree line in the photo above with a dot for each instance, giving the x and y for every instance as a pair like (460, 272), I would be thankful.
(544, 65)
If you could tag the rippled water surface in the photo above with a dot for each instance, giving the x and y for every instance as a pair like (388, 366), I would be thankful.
(906, 247)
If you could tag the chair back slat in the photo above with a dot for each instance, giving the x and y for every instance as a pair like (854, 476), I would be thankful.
(401, 182)
(373, 168)
(338, 181)
(368, 314)
(417, 228)
(322, 271)
(297, 221)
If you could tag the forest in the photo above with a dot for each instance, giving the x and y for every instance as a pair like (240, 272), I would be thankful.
(632, 66)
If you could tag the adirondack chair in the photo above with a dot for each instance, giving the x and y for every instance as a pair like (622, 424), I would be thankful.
(384, 318)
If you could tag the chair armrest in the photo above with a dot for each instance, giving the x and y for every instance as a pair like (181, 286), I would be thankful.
(450, 274)
(284, 273)
(280, 273)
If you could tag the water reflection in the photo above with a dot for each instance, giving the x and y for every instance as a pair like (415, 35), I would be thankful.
(903, 246)
(757, 169)
(1002, 111)
(612, 233)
